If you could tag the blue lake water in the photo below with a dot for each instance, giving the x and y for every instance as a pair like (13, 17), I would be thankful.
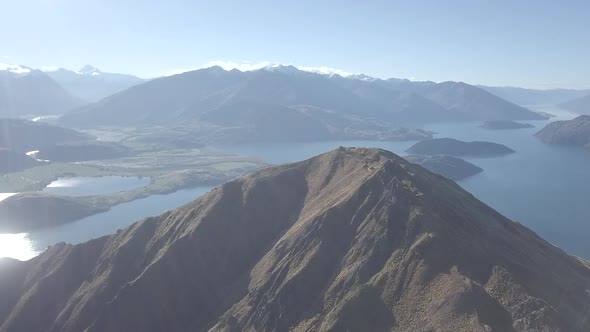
(26, 245)
(545, 187)
(542, 186)
(88, 186)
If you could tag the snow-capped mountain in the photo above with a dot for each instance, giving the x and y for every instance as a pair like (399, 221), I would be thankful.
(294, 70)
(362, 77)
(91, 84)
(28, 92)
(14, 69)
(89, 70)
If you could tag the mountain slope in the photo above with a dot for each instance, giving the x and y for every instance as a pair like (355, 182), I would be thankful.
(25, 136)
(11, 161)
(184, 98)
(579, 105)
(91, 84)
(31, 92)
(472, 102)
(354, 239)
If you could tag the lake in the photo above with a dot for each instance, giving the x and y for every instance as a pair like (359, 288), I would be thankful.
(544, 187)
(27, 245)
(89, 186)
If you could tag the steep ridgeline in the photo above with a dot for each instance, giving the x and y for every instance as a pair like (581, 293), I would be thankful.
(575, 132)
(352, 240)
(284, 94)
(26, 92)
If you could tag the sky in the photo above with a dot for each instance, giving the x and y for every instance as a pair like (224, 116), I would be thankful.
(528, 43)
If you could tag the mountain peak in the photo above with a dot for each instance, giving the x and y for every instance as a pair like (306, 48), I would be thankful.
(362, 77)
(354, 239)
(14, 69)
(286, 69)
(89, 70)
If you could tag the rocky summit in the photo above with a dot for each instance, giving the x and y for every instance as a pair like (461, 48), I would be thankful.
(352, 240)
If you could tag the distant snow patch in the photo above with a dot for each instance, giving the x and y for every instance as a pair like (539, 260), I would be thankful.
(15, 69)
(329, 71)
(250, 66)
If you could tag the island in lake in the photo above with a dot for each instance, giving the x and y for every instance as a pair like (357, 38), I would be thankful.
(505, 124)
(575, 132)
(451, 167)
(454, 147)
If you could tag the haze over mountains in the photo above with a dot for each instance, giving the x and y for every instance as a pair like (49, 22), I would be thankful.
(25, 91)
(354, 239)
(530, 97)
(579, 105)
(53, 91)
(204, 95)
(90, 84)
(189, 96)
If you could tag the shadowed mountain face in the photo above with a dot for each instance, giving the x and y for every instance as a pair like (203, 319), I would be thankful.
(575, 132)
(186, 97)
(471, 102)
(12, 161)
(351, 240)
(452, 167)
(33, 93)
(25, 136)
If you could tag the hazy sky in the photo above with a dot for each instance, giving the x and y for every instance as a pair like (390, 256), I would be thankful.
(533, 43)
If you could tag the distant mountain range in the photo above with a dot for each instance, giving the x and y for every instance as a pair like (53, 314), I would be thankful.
(25, 92)
(204, 95)
(351, 240)
(579, 105)
(531, 97)
(91, 84)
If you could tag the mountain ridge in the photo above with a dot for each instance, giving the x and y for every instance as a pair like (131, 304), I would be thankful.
(91, 84)
(184, 98)
(355, 239)
(26, 92)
